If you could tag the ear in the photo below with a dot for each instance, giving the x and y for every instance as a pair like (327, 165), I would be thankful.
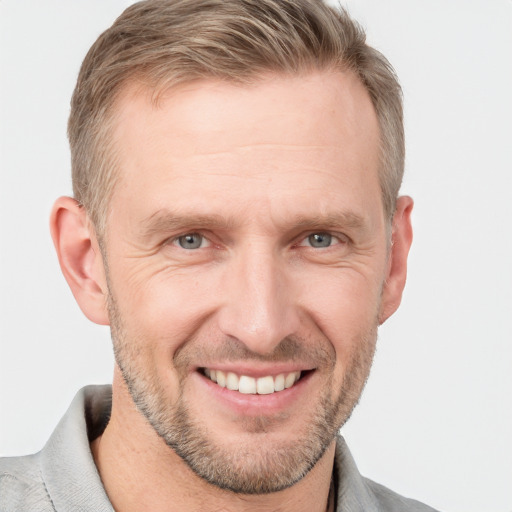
(401, 239)
(80, 258)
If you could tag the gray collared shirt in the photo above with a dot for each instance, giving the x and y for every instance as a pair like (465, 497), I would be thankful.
(63, 477)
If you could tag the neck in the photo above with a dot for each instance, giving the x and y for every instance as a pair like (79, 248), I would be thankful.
(140, 472)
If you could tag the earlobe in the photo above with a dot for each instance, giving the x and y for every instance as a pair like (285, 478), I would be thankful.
(80, 258)
(401, 239)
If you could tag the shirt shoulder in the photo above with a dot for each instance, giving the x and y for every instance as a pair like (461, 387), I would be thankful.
(390, 501)
(21, 485)
(359, 494)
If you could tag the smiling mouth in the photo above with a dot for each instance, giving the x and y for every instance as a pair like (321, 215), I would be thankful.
(251, 385)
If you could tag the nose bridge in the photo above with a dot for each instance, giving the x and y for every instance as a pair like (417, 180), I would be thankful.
(258, 309)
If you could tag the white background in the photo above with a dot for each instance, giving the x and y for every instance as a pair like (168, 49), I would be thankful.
(435, 420)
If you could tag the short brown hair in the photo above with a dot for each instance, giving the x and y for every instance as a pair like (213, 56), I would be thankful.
(166, 42)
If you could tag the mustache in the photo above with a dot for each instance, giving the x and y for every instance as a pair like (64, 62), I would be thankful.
(228, 349)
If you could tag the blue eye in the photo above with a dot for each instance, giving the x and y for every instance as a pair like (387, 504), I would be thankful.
(190, 241)
(319, 240)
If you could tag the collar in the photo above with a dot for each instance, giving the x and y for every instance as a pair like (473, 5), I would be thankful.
(70, 475)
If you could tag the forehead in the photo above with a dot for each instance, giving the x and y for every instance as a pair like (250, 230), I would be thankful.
(322, 107)
(278, 139)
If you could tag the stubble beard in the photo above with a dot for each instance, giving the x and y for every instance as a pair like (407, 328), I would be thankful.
(253, 468)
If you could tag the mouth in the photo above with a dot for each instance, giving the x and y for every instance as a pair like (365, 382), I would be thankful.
(247, 385)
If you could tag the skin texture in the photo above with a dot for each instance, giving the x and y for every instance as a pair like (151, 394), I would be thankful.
(254, 172)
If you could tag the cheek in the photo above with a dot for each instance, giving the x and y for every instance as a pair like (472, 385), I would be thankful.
(156, 317)
(347, 315)
(165, 306)
(345, 308)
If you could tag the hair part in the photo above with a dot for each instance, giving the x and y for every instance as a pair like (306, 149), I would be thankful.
(163, 43)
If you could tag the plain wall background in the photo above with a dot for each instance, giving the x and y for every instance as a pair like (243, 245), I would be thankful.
(435, 421)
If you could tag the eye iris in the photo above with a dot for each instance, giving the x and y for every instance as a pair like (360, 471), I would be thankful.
(191, 241)
(320, 240)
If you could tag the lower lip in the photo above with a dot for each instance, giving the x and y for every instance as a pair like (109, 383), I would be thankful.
(257, 405)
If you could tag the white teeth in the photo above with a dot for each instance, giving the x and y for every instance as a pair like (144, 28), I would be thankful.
(250, 385)
(247, 385)
(221, 378)
(279, 382)
(290, 380)
(264, 385)
(232, 381)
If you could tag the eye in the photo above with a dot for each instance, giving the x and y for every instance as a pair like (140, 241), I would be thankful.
(320, 240)
(191, 241)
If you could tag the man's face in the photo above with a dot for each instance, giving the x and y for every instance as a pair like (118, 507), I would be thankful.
(246, 244)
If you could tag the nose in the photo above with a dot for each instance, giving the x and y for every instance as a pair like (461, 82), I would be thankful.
(259, 307)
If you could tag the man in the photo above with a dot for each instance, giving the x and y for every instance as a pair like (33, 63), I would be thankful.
(236, 221)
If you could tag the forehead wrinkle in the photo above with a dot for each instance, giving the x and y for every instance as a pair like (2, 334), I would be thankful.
(236, 150)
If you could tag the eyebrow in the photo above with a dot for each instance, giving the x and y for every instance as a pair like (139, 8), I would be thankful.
(167, 221)
(345, 219)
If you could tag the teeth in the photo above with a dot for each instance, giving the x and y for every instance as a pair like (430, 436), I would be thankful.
(279, 383)
(247, 385)
(221, 378)
(250, 385)
(289, 380)
(232, 381)
(264, 386)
